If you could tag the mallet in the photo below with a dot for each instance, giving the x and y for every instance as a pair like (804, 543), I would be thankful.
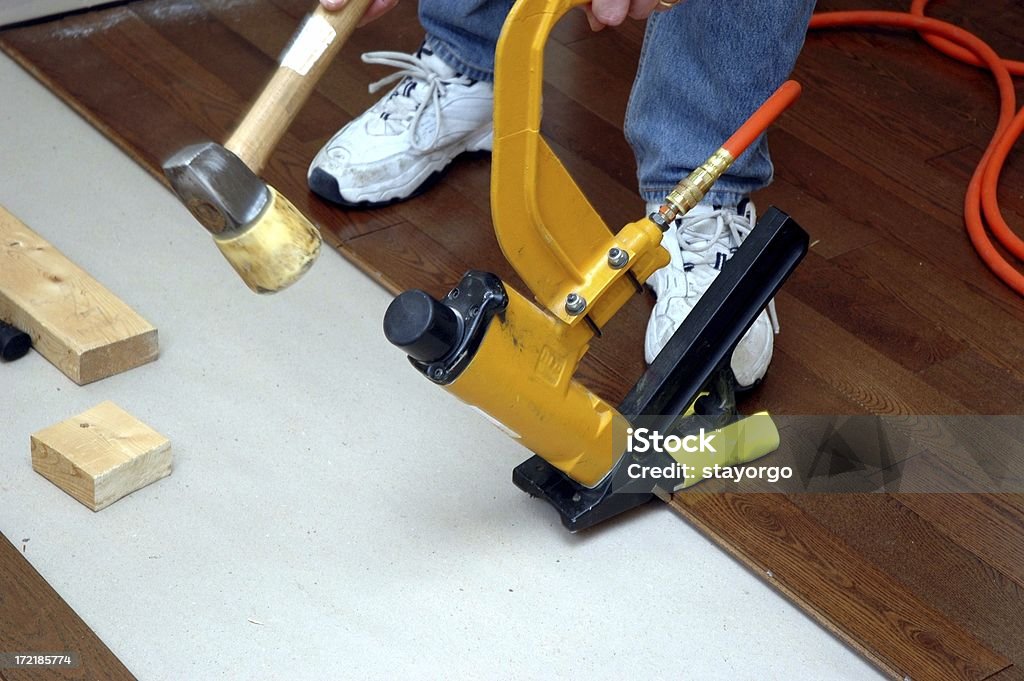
(264, 237)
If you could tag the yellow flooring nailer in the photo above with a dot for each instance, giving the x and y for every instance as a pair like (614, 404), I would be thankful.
(515, 358)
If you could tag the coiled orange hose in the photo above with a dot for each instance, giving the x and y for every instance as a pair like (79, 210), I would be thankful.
(981, 203)
(953, 50)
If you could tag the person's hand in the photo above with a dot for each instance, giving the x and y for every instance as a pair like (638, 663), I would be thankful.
(601, 13)
(376, 8)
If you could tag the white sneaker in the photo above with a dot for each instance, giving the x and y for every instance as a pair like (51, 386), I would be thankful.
(407, 138)
(700, 243)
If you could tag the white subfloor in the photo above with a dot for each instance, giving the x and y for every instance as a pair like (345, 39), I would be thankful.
(331, 515)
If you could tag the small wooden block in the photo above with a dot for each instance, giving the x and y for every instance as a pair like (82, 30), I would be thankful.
(101, 455)
(74, 321)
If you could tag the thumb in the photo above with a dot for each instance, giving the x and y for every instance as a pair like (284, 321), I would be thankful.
(595, 23)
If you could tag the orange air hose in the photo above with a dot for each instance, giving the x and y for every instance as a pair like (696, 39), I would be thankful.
(953, 50)
(765, 115)
(981, 204)
(692, 188)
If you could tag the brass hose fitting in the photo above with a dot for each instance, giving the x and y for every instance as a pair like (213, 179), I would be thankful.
(689, 192)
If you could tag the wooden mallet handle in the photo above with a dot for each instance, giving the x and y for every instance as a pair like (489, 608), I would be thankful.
(302, 64)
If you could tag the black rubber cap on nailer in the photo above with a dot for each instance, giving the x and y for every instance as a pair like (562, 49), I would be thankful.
(423, 327)
(14, 343)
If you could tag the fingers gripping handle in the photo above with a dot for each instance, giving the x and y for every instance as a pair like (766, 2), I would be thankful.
(302, 64)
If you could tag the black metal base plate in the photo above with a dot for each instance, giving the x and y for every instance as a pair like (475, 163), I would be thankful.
(580, 507)
(695, 359)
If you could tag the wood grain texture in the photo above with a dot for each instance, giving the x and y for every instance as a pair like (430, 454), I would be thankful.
(950, 578)
(859, 602)
(891, 313)
(34, 618)
(75, 322)
(101, 455)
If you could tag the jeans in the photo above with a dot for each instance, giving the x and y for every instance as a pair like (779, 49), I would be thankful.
(705, 66)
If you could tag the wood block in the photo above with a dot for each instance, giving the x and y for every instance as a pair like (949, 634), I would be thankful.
(75, 322)
(101, 455)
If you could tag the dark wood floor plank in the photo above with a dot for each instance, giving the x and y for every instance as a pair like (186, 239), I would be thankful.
(1000, 25)
(802, 392)
(101, 99)
(976, 381)
(822, 119)
(854, 300)
(35, 619)
(859, 602)
(608, 48)
(988, 464)
(948, 303)
(865, 70)
(614, 202)
(571, 29)
(962, 162)
(585, 134)
(863, 375)
(952, 579)
(860, 198)
(832, 233)
(167, 72)
(877, 211)
(621, 348)
(981, 523)
(232, 62)
(589, 83)
(929, 96)
(404, 248)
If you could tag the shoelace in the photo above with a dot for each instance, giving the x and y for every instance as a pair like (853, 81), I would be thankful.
(412, 109)
(699, 244)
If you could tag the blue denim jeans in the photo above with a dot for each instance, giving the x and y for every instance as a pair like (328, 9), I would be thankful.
(706, 65)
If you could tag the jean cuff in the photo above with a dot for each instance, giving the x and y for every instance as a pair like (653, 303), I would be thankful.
(449, 56)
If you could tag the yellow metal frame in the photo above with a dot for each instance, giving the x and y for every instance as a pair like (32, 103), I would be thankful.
(522, 373)
(547, 229)
(522, 376)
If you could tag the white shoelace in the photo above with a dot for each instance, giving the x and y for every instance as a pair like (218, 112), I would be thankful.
(402, 105)
(696, 244)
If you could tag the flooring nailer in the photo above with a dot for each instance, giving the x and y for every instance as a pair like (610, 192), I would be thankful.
(515, 359)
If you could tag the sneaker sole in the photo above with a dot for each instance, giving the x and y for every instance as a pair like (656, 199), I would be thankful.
(324, 185)
(747, 389)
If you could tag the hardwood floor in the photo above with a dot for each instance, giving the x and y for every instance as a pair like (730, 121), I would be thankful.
(35, 619)
(890, 313)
